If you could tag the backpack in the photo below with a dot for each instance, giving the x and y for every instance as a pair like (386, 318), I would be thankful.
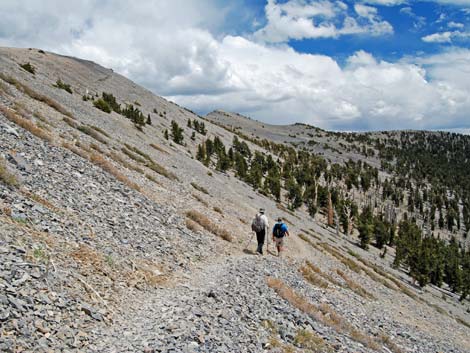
(278, 232)
(258, 224)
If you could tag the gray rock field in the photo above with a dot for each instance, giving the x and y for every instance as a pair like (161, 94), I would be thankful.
(98, 254)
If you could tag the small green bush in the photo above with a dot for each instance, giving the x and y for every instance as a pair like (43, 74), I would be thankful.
(102, 105)
(28, 67)
(63, 85)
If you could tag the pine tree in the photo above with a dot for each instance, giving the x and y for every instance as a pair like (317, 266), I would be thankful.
(176, 133)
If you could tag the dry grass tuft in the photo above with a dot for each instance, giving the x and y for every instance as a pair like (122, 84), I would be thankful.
(133, 156)
(203, 221)
(159, 169)
(354, 266)
(117, 158)
(70, 122)
(200, 199)
(386, 275)
(97, 148)
(101, 131)
(312, 277)
(5, 176)
(385, 339)
(191, 225)
(322, 313)
(26, 124)
(35, 95)
(145, 273)
(40, 200)
(309, 241)
(462, 322)
(92, 132)
(199, 188)
(326, 276)
(42, 118)
(144, 159)
(356, 288)
(311, 341)
(99, 161)
(158, 148)
(77, 151)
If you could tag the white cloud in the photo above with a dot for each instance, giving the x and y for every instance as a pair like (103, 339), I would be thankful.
(400, 2)
(446, 37)
(453, 24)
(443, 37)
(298, 19)
(176, 54)
(386, 2)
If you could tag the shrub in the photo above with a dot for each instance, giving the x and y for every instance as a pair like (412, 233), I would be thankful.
(5, 176)
(62, 85)
(102, 105)
(111, 100)
(218, 210)
(28, 67)
(203, 221)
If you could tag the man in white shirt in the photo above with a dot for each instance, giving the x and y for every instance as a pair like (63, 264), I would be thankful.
(259, 225)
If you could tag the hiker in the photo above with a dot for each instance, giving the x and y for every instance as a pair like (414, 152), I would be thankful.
(280, 231)
(259, 225)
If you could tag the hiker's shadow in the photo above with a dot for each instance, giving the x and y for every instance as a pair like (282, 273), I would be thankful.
(251, 252)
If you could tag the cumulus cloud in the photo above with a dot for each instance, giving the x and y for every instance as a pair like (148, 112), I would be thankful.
(183, 56)
(297, 19)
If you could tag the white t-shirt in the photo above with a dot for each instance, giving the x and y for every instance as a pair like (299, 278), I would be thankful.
(265, 220)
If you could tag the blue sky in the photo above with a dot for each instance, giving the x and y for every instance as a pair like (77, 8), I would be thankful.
(343, 65)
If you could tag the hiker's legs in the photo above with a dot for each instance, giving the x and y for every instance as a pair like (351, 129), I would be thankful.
(260, 238)
(279, 245)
